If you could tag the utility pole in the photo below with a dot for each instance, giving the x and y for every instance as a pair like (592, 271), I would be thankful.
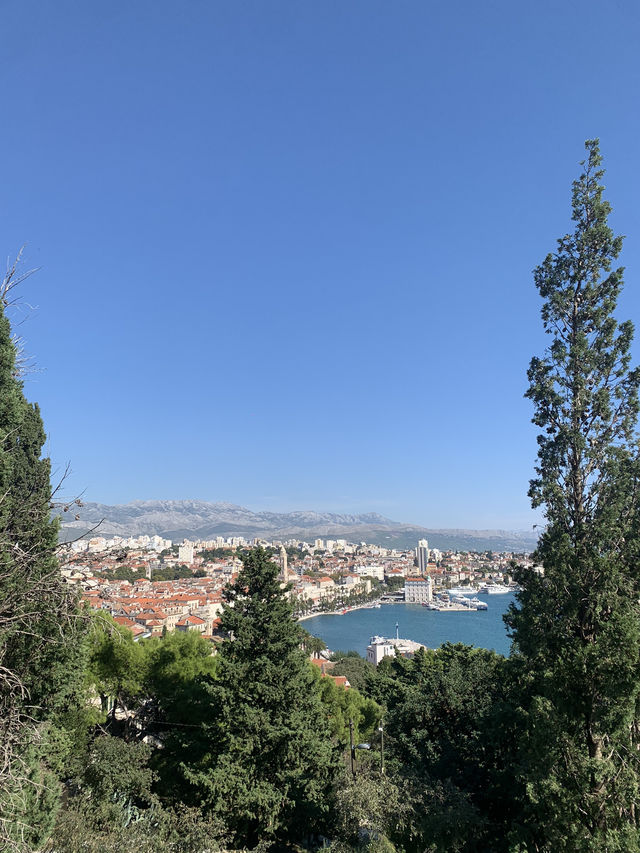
(353, 749)
(382, 747)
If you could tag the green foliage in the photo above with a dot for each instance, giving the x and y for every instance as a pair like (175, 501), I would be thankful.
(177, 669)
(173, 573)
(577, 629)
(156, 830)
(359, 673)
(112, 807)
(167, 573)
(30, 801)
(445, 727)
(118, 779)
(312, 645)
(369, 808)
(116, 667)
(146, 686)
(213, 555)
(343, 706)
(260, 757)
(37, 681)
(176, 659)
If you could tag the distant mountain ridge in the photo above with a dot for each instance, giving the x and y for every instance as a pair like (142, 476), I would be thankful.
(192, 519)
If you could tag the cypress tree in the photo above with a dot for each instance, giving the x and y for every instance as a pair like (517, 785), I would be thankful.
(34, 609)
(576, 627)
(263, 761)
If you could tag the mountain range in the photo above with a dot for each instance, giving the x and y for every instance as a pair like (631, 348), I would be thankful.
(191, 519)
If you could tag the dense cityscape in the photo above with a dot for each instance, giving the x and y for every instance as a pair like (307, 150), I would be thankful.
(151, 585)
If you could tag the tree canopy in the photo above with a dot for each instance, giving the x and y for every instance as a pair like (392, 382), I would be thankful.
(36, 625)
(576, 628)
(264, 746)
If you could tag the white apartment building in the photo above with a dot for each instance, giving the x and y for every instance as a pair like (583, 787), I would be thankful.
(418, 590)
(185, 552)
(371, 571)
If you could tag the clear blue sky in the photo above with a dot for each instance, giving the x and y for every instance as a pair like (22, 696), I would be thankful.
(286, 247)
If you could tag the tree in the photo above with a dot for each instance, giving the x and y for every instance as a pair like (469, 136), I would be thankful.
(111, 806)
(369, 807)
(445, 735)
(36, 648)
(116, 669)
(576, 629)
(358, 671)
(312, 645)
(261, 758)
(348, 707)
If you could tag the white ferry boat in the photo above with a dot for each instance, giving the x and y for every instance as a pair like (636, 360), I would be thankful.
(494, 589)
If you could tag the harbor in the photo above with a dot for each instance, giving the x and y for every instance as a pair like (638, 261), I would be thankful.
(431, 628)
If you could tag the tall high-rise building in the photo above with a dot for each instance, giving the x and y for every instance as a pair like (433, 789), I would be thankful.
(422, 553)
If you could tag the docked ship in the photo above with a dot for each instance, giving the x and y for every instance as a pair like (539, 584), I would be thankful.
(494, 589)
(446, 603)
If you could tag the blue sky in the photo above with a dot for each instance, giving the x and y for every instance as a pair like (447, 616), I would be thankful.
(285, 248)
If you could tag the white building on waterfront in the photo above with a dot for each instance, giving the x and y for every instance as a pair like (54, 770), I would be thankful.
(383, 647)
(418, 590)
(378, 648)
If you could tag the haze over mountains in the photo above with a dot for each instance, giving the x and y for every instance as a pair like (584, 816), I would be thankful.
(193, 519)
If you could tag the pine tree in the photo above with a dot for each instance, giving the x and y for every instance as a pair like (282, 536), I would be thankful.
(576, 630)
(263, 760)
(34, 609)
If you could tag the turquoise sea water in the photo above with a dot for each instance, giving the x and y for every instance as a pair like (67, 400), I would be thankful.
(483, 628)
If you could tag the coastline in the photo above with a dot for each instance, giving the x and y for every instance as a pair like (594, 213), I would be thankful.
(431, 628)
(342, 611)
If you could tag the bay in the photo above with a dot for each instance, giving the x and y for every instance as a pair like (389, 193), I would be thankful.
(352, 631)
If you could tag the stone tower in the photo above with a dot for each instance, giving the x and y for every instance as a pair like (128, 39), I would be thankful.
(284, 571)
